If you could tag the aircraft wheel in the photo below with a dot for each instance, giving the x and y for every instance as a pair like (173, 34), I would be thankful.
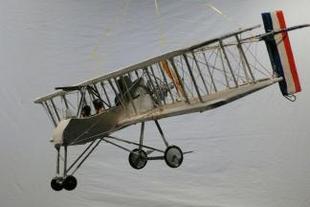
(70, 183)
(173, 156)
(57, 184)
(137, 159)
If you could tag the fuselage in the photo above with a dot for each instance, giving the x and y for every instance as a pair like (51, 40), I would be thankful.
(75, 131)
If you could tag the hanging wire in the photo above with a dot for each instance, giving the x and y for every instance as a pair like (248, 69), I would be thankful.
(222, 14)
(162, 39)
(107, 32)
(225, 16)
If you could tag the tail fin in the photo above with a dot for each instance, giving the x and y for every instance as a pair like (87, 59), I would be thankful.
(280, 53)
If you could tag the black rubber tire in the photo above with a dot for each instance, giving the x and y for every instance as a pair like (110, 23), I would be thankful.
(57, 184)
(137, 159)
(171, 154)
(70, 183)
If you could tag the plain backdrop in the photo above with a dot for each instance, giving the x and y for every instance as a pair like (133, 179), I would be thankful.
(253, 152)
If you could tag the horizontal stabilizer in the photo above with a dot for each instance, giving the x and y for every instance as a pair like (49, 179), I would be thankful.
(275, 32)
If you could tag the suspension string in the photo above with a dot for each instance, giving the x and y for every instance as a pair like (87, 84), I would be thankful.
(162, 39)
(221, 13)
(226, 17)
(115, 21)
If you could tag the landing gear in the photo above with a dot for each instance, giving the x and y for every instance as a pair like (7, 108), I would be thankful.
(57, 183)
(70, 183)
(65, 180)
(137, 159)
(173, 156)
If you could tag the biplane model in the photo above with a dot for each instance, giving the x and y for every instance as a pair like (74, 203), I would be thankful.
(194, 79)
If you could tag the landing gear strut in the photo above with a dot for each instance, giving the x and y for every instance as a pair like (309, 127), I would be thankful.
(138, 158)
(67, 181)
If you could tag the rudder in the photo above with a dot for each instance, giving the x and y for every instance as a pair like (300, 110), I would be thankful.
(280, 53)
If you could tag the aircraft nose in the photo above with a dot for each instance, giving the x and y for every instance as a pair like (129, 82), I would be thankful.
(57, 135)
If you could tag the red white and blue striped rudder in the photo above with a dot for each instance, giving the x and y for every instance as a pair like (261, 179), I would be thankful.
(280, 53)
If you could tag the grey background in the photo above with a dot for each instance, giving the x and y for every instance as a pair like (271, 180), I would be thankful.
(253, 152)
